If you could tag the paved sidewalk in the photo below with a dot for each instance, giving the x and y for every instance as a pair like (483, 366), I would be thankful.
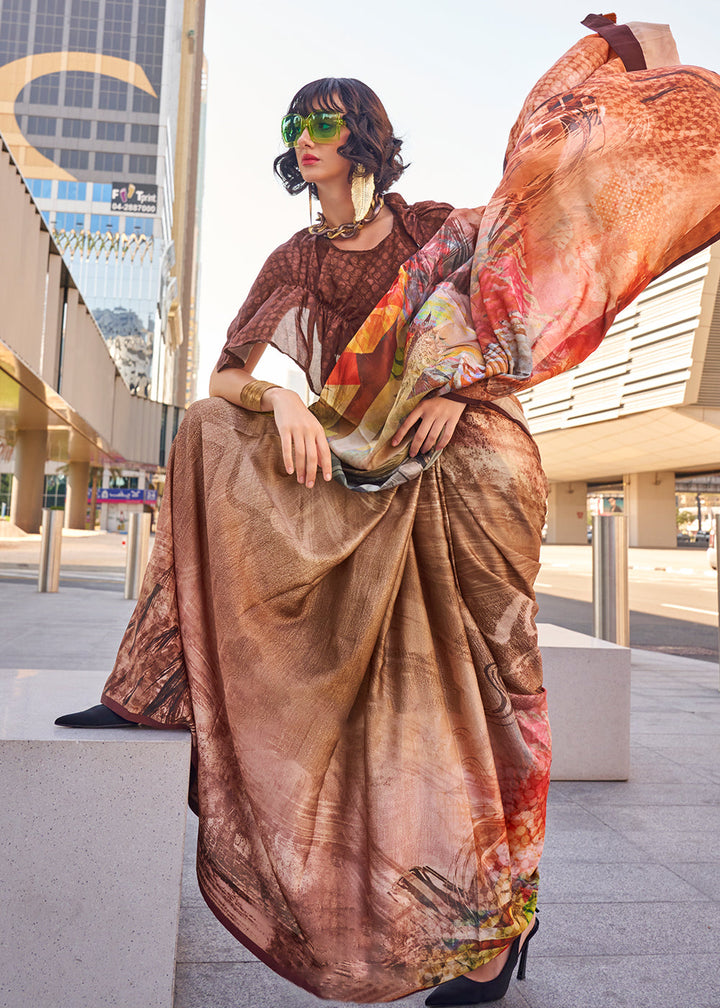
(629, 895)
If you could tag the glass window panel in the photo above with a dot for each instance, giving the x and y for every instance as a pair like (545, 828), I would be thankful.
(113, 94)
(15, 31)
(69, 221)
(79, 128)
(143, 102)
(143, 133)
(118, 24)
(104, 222)
(74, 159)
(83, 25)
(79, 89)
(40, 188)
(142, 164)
(41, 125)
(108, 162)
(139, 225)
(72, 190)
(102, 192)
(48, 26)
(44, 90)
(110, 131)
(55, 491)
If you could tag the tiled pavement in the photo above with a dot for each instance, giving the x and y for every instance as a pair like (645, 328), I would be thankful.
(629, 894)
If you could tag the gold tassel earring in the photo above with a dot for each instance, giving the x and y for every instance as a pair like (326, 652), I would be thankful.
(362, 190)
(310, 202)
(367, 204)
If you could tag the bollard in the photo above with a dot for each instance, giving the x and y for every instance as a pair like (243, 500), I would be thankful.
(716, 521)
(138, 546)
(611, 611)
(50, 544)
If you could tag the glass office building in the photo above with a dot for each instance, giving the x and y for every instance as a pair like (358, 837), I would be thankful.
(94, 89)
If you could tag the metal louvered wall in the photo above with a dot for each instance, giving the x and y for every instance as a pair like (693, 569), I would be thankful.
(643, 363)
(709, 391)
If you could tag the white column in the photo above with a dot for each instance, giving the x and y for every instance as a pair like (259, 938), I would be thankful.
(78, 478)
(104, 504)
(567, 514)
(28, 479)
(650, 509)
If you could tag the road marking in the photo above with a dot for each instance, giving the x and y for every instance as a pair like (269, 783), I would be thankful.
(22, 573)
(705, 612)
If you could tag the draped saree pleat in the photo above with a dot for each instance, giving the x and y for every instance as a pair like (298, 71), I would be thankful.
(362, 678)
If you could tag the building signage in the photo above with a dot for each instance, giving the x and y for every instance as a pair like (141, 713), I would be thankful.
(106, 494)
(129, 197)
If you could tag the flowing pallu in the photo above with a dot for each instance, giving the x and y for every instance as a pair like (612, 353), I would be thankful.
(611, 178)
(360, 671)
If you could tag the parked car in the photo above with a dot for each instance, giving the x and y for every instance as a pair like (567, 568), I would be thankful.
(712, 549)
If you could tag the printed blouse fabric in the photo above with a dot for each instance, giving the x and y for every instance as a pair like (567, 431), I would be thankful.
(311, 297)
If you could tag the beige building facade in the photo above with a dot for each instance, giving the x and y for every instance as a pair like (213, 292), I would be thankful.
(100, 104)
(640, 412)
(63, 401)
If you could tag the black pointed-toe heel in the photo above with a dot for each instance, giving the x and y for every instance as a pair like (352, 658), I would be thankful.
(463, 991)
(98, 716)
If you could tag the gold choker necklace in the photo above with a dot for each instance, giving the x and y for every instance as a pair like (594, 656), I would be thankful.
(324, 230)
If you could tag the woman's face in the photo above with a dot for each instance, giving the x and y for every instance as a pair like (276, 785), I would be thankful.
(320, 162)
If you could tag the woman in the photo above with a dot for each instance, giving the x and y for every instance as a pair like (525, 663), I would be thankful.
(357, 140)
(362, 777)
(360, 669)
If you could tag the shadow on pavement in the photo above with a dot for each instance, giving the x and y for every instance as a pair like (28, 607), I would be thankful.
(651, 633)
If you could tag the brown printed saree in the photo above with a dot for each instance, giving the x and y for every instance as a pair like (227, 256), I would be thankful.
(362, 676)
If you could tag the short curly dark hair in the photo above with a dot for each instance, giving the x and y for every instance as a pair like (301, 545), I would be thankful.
(371, 143)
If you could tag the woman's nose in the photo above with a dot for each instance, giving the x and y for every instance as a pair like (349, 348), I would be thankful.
(304, 138)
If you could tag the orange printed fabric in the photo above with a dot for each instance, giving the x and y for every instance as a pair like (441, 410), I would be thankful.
(612, 176)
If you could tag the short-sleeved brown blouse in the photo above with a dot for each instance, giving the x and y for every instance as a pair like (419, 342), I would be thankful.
(311, 297)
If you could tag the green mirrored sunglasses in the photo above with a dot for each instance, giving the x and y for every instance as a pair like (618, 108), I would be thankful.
(322, 127)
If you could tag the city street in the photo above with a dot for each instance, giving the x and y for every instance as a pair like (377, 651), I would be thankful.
(673, 593)
(673, 597)
(632, 851)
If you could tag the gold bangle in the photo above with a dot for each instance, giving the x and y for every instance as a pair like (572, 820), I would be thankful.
(252, 393)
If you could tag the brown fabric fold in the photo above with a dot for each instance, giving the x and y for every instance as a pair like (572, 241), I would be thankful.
(362, 679)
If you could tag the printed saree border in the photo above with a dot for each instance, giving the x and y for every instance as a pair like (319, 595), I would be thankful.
(620, 39)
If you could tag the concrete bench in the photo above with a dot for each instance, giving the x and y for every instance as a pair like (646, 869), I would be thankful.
(588, 686)
(93, 824)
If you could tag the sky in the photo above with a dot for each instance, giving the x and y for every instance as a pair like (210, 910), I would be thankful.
(452, 75)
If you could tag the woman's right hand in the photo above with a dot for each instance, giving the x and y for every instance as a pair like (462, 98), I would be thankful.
(304, 445)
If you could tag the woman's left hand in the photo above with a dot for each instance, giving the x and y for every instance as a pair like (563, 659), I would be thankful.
(438, 418)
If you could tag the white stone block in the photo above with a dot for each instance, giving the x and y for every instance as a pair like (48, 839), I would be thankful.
(93, 825)
(588, 687)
